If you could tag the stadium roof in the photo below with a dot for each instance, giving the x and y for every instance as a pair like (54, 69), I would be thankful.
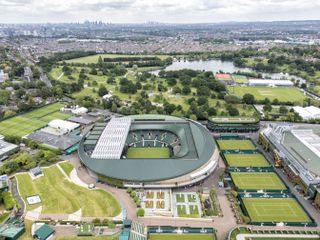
(111, 142)
(197, 147)
(6, 147)
(304, 145)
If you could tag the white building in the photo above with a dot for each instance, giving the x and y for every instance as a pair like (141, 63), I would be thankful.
(308, 113)
(63, 126)
(79, 110)
(107, 96)
(270, 83)
(3, 76)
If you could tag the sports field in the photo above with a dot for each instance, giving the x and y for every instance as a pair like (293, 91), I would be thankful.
(246, 160)
(283, 94)
(275, 210)
(236, 145)
(27, 123)
(60, 196)
(155, 236)
(239, 78)
(148, 153)
(257, 181)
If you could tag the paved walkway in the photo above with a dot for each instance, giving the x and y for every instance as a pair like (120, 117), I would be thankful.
(275, 236)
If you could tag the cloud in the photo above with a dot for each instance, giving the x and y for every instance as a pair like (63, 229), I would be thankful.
(157, 10)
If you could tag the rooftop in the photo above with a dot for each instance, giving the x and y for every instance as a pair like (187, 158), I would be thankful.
(304, 145)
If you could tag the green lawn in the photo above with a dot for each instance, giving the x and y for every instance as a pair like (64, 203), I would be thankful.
(58, 195)
(67, 167)
(275, 210)
(246, 160)
(94, 58)
(148, 153)
(257, 181)
(27, 123)
(281, 93)
(155, 236)
(182, 211)
(236, 145)
(239, 78)
(191, 198)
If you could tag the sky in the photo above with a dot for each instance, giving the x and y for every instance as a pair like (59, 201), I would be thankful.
(166, 11)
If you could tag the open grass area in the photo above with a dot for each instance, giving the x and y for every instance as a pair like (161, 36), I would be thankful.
(148, 153)
(27, 123)
(236, 145)
(246, 160)
(58, 195)
(94, 58)
(239, 78)
(67, 167)
(257, 181)
(181, 237)
(281, 93)
(275, 210)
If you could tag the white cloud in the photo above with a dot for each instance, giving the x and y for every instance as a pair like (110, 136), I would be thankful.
(182, 11)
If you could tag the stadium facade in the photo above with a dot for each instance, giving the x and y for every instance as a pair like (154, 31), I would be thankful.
(296, 148)
(152, 151)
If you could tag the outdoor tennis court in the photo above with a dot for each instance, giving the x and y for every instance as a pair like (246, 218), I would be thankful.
(257, 181)
(29, 122)
(275, 210)
(236, 145)
(246, 160)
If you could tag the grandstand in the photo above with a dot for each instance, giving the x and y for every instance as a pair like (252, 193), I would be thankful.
(129, 149)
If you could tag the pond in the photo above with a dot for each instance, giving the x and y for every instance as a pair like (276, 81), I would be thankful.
(215, 65)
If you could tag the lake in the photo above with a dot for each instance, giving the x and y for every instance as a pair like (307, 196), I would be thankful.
(215, 65)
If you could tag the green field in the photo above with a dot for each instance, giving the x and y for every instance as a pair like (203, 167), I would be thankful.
(67, 167)
(246, 160)
(155, 236)
(94, 58)
(239, 78)
(27, 123)
(180, 198)
(236, 145)
(59, 196)
(275, 210)
(193, 211)
(260, 93)
(148, 153)
(257, 181)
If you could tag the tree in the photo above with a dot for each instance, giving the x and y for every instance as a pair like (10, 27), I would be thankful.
(212, 111)
(283, 110)
(267, 107)
(248, 98)
(102, 91)
(202, 100)
(140, 212)
(186, 90)
(114, 107)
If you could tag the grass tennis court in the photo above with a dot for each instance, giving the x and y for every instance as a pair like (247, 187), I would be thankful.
(60, 196)
(275, 210)
(246, 160)
(27, 123)
(257, 181)
(156, 236)
(283, 94)
(148, 153)
(236, 145)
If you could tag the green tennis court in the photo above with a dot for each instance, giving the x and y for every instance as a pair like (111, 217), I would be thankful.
(257, 181)
(246, 160)
(275, 210)
(29, 122)
(148, 153)
(236, 145)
